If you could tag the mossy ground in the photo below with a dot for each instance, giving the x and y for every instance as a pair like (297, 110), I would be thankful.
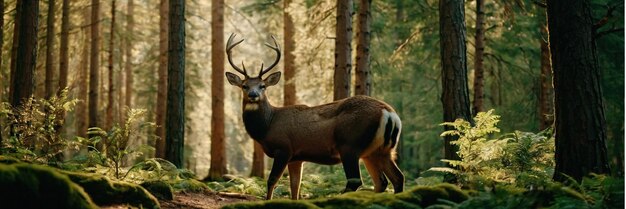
(33, 186)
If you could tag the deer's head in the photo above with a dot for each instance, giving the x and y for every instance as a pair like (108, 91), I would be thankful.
(253, 88)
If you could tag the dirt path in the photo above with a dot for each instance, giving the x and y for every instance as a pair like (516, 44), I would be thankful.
(202, 200)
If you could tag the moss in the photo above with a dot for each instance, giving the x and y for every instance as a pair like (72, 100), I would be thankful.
(8, 160)
(455, 194)
(159, 189)
(32, 186)
(272, 204)
(106, 192)
(188, 185)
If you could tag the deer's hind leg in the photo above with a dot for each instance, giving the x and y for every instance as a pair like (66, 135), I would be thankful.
(375, 169)
(394, 174)
(351, 168)
(295, 176)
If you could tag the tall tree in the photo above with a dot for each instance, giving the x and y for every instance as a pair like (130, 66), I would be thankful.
(343, 50)
(579, 114)
(1, 44)
(289, 67)
(546, 90)
(363, 82)
(175, 113)
(218, 147)
(128, 65)
(49, 89)
(81, 113)
(162, 77)
(16, 35)
(111, 101)
(64, 58)
(479, 50)
(94, 64)
(455, 97)
(24, 79)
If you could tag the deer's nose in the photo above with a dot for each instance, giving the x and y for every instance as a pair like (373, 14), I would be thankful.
(253, 96)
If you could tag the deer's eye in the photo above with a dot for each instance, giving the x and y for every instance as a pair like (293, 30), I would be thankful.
(262, 86)
(245, 87)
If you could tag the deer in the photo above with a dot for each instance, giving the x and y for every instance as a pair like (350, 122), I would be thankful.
(343, 131)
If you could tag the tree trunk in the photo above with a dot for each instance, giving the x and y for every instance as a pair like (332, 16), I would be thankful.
(128, 65)
(479, 42)
(218, 147)
(455, 97)
(175, 114)
(343, 50)
(258, 161)
(1, 47)
(289, 91)
(26, 53)
(580, 122)
(363, 83)
(546, 95)
(111, 102)
(162, 83)
(64, 58)
(49, 91)
(81, 108)
(94, 64)
(16, 35)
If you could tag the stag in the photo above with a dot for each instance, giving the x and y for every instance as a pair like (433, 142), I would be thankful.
(342, 131)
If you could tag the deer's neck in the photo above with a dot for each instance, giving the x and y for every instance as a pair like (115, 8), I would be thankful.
(257, 118)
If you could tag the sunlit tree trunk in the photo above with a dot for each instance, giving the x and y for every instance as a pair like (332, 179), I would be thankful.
(546, 95)
(162, 79)
(128, 65)
(455, 97)
(363, 83)
(479, 50)
(580, 126)
(289, 91)
(175, 114)
(110, 112)
(94, 64)
(64, 58)
(343, 50)
(218, 147)
(49, 89)
(1, 47)
(81, 113)
(26, 53)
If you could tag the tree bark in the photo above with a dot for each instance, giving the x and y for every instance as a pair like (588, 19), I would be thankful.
(546, 95)
(363, 83)
(49, 91)
(479, 42)
(16, 35)
(81, 113)
(64, 58)
(94, 64)
(24, 79)
(1, 47)
(455, 97)
(289, 90)
(343, 50)
(218, 147)
(128, 65)
(162, 80)
(175, 114)
(580, 122)
(110, 111)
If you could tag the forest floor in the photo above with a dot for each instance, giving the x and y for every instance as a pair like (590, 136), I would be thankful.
(201, 200)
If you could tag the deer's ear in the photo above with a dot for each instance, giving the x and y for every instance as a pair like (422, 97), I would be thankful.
(233, 79)
(272, 79)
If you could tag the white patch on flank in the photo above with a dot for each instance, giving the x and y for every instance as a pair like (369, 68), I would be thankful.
(379, 138)
(251, 107)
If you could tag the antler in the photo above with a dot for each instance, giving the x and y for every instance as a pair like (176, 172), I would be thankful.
(229, 46)
(275, 48)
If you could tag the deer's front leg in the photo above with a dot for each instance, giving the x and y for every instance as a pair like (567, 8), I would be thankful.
(278, 167)
(295, 175)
